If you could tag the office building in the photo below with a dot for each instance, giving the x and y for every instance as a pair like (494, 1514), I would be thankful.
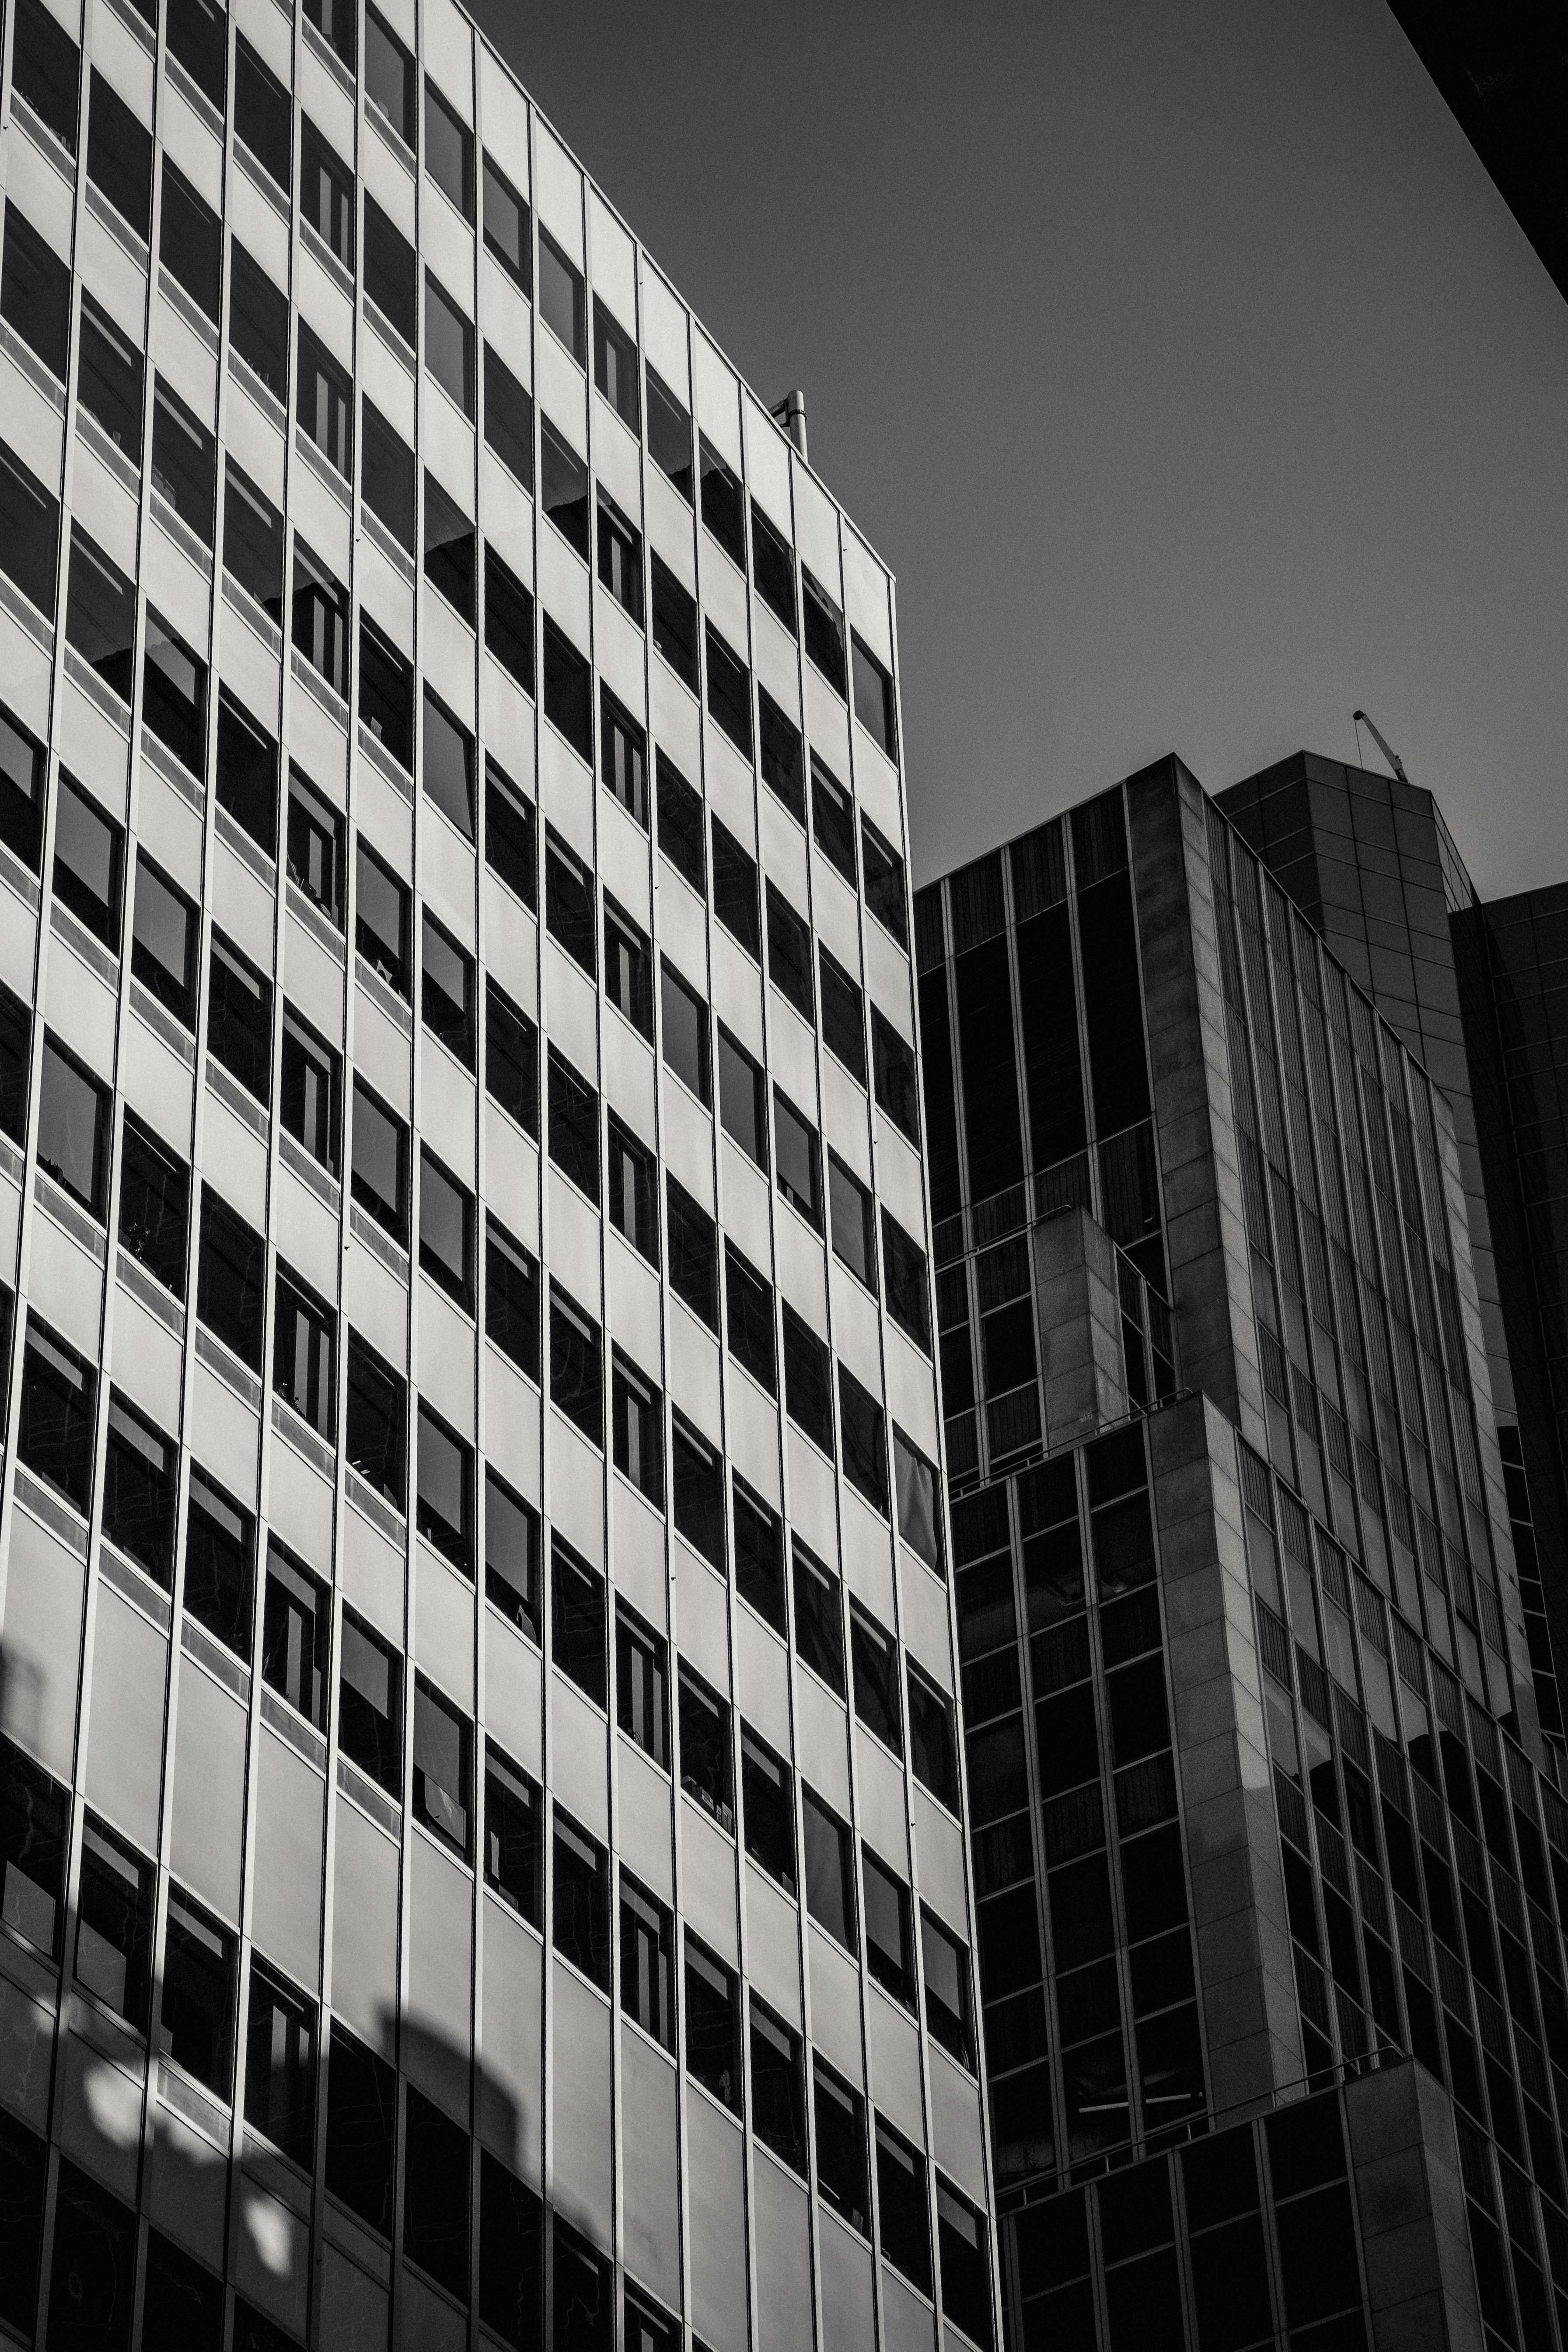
(1269, 1877)
(480, 1834)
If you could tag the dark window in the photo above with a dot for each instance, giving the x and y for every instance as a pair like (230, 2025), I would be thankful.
(509, 414)
(833, 820)
(932, 1749)
(164, 935)
(823, 631)
(712, 2024)
(22, 786)
(36, 292)
(263, 114)
(674, 622)
(449, 765)
(669, 433)
(303, 1347)
(563, 487)
(93, 2265)
(736, 889)
(885, 888)
(446, 1232)
(908, 1289)
(326, 193)
(840, 2145)
(246, 773)
(573, 1125)
(326, 404)
(391, 273)
(768, 1803)
(628, 982)
(253, 542)
(636, 1429)
(381, 920)
(581, 1901)
(511, 845)
(684, 1027)
(749, 1318)
(808, 1389)
(46, 68)
(511, 1555)
(389, 76)
(370, 1705)
(576, 1365)
(789, 953)
(100, 613)
(780, 756)
(723, 509)
(697, 1476)
(280, 2065)
(16, 1062)
(905, 2227)
(829, 1869)
(693, 1258)
(778, 2086)
(74, 1114)
(181, 2302)
(175, 695)
(875, 1658)
(380, 1163)
(507, 230)
(119, 155)
(818, 1617)
(646, 2328)
(258, 321)
(220, 1565)
(448, 151)
(29, 534)
(642, 1708)
(88, 852)
(874, 706)
(33, 1822)
(449, 344)
(773, 566)
(680, 824)
(316, 847)
(155, 1205)
(435, 2155)
(141, 1490)
(230, 1263)
(561, 303)
(386, 479)
(362, 2130)
(707, 1766)
(114, 1924)
(568, 693)
(296, 1632)
(189, 245)
(511, 1059)
(569, 900)
(743, 1101)
(728, 692)
(55, 1433)
(513, 1804)
(375, 1439)
(615, 364)
(798, 1160)
(583, 2287)
(509, 624)
(623, 756)
(444, 1509)
(512, 1298)
(648, 1961)
(920, 1513)
(320, 622)
(446, 991)
(854, 1222)
(198, 1994)
(949, 2018)
(632, 1190)
(239, 1018)
(964, 2246)
(894, 1063)
(620, 557)
(443, 1769)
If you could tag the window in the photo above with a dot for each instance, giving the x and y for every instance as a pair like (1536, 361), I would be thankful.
(448, 766)
(389, 76)
(509, 624)
(198, 37)
(920, 1514)
(374, 1440)
(296, 1631)
(29, 534)
(749, 1318)
(823, 631)
(198, 1994)
(829, 1869)
(615, 364)
(573, 1125)
(636, 1429)
(854, 1222)
(563, 487)
(712, 2024)
(511, 1555)
(648, 1961)
(778, 2086)
(445, 1232)
(320, 622)
(798, 1161)
(230, 1262)
(674, 622)
(628, 976)
(818, 1617)
(583, 2284)
(507, 233)
(576, 1365)
(141, 1491)
(684, 1026)
(707, 1766)
(74, 1115)
(36, 292)
(175, 695)
(833, 820)
(443, 1769)
(258, 320)
(303, 1343)
(723, 509)
(263, 114)
(736, 889)
(949, 2014)
(101, 608)
(620, 557)
(648, 2329)
(239, 1018)
(632, 1190)
(246, 774)
(316, 847)
(114, 1924)
(932, 1750)
(909, 1292)
(876, 1663)
(509, 415)
(448, 152)
(370, 1705)
(22, 786)
(381, 924)
(885, 888)
(326, 404)
(512, 846)
(680, 824)
(698, 1478)
(568, 699)
(789, 953)
(768, 1802)
(874, 706)
(840, 2145)
(905, 2227)
(569, 900)
(865, 1440)
(280, 2065)
(511, 1059)
(808, 1391)
(386, 479)
(742, 1103)
(326, 193)
(55, 1434)
(310, 1090)
(190, 242)
(560, 304)
(436, 2154)
(119, 155)
(445, 1501)
(446, 991)
(623, 756)
(759, 1554)
(641, 1680)
(391, 273)
(894, 1063)
(668, 433)
(46, 68)
(581, 1900)
(449, 564)
(253, 542)
(362, 2130)
(155, 1205)
(513, 1805)
(380, 1167)
(693, 1260)
(729, 692)
(449, 344)
(16, 1062)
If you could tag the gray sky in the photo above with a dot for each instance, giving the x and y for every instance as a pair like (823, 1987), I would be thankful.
(1181, 360)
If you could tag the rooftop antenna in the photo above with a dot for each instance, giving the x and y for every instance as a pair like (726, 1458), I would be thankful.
(1389, 753)
(790, 412)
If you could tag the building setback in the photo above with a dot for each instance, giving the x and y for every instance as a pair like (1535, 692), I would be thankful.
(481, 1847)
